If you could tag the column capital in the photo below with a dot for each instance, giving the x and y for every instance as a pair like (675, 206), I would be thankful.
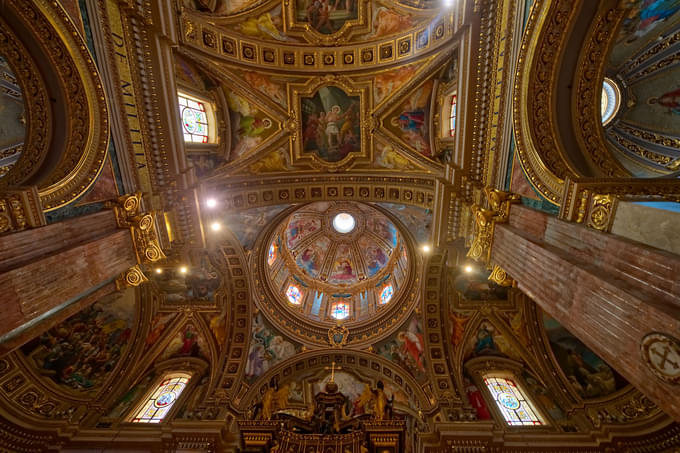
(20, 209)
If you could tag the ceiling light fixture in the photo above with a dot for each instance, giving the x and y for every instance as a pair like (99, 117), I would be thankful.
(216, 226)
(426, 248)
(183, 270)
(159, 270)
(469, 269)
(211, 203)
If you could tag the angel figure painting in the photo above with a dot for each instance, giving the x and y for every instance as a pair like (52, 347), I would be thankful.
(326, 16)
(331, 126)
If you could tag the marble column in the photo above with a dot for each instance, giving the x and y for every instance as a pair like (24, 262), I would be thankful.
(51, 272)
(609, 291)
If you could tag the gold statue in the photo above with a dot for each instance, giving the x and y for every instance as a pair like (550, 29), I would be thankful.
(267, 402)
(281, 396)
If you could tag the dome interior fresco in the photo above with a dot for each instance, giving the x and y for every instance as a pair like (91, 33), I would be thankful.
(329, 274)
(644, 133)
(338, 226)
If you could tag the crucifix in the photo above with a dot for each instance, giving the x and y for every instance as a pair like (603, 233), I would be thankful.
(333, 368)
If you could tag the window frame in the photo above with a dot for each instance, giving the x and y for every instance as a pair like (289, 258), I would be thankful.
(524, 397)
(210, 118)
(142, 403)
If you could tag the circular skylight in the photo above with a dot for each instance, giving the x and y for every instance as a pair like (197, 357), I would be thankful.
(611, 99)
(343, 222)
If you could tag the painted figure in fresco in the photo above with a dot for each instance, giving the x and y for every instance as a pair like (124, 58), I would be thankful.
(307, 260)
(376, 260)
(82, 350)
(343, 270)
(412, 345)
(331, 124)
(670, 100)
(646, 14)
(388, 22)
(265, 26)
(266, 349)
(158, 324)
(476, 400)
(485, 343)
(264, 84)
(457, 327)
(189, 342)
(326, 16)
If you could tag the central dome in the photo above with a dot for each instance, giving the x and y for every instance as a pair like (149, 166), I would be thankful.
(337, 261)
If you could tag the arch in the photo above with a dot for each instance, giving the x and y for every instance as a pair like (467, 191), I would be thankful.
(366, 363)
(67, 140)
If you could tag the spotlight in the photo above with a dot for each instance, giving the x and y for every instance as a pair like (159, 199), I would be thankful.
(211, 202)
(426, 248)
(468, 269)
(448, 3)
(159, 270)
(183, 270)
(216, 226)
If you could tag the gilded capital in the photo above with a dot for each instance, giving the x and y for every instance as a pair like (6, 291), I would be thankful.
(485, 220)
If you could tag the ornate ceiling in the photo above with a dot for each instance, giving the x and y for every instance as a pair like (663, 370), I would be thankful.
(311, 196)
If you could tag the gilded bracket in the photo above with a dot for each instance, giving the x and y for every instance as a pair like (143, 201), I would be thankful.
(20, 209)
(500, 277)
(142, 227)
(485, 221)
(131, 277)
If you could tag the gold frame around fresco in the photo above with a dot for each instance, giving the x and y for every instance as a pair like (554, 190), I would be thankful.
(298, 91)
(304, 30)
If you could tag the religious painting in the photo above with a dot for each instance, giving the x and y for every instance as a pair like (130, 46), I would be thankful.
(250, 126)
(383, 229)
(274, 162)
(326, 16)
(544, 397)
(299, 227)
(188, 342)
(487, 340)
(79, 353)
(197, 284)
(588, 374)
(387, 157)
(159, 323)
(267, 348)
(310, 258)
(644, 16)
(331, 124)
(417, 220)
(388, 22)
(247, 225)
(343, 270)
(374, 256)
(220, 7)
(265, 26)
(387, 83)
(407, 349)
(409, 121)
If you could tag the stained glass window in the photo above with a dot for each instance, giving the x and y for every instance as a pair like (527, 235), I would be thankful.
(452, 116)
(194, 120)
(162, 399)
(294, 295)
(386, 294)
(516, 409)
(340, 309)
(272, 254)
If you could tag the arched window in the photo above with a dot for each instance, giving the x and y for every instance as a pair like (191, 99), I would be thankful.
(340, 309)
(161, 399)
(272, 254)
(611, 100)
(197, 119)
(452, 115)
(294, 295)
(511, 402)
(386, 294)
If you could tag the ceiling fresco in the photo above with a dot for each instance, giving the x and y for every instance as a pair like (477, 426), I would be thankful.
(316, 235)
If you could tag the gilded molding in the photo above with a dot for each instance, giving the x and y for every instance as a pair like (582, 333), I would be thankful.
(586, 97)
(88, 127)
(593, 201)
(20, 209)
(199, 33)
(533, 116)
